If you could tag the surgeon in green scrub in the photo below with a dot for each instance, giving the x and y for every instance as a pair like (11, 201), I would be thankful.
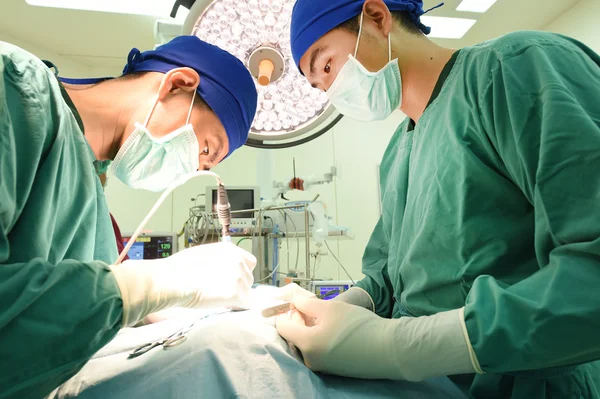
(182, 107)
(485, 264)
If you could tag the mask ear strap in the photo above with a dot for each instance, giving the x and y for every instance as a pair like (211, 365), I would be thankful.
(359, 34)
(191, 107)
(151, 111)
(390, 46)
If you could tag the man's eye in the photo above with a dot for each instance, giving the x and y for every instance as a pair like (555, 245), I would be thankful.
(328, 67)
(205, 151)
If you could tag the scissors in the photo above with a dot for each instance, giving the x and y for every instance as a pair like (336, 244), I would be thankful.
(171, 341)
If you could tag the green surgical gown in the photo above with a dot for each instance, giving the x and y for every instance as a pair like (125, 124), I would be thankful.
(59, 302)
(492, 202)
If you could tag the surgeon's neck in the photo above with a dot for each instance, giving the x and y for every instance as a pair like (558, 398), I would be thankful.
(421, 63)
(106, 109)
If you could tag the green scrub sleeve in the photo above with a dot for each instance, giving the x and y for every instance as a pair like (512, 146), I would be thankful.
(374, 266)
(541, 111)
(53, 319)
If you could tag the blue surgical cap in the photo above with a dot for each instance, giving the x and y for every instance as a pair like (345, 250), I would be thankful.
(311, 19)
(225, 83)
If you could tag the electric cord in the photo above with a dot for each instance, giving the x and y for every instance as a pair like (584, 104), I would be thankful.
(340, 263)
(159, 202)
(284, 214)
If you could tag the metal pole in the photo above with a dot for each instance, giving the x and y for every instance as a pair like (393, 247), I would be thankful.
(307, 242)
(274, 208)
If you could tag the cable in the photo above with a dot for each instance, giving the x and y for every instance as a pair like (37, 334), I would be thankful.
(271, 219)
(287, 240)
(241, 240)
(338, 261)
(196, 199)
(297, 241)
(197, 226)
(206, 227)
(258, 226)
(284, 213)
(317, 262)
(158, 203)
(270, 275)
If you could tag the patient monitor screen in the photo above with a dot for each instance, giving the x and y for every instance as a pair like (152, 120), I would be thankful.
(150, 247)
(239, 200)
(330, 292)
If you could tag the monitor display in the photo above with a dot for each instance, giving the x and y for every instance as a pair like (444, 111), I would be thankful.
(147, 247)
(330, 292)
(239, 199)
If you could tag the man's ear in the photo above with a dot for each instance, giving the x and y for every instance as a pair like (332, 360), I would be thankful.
(177, 80)
(377, 12)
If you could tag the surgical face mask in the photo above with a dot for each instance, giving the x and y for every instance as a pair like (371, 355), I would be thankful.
(364, 95)
(151, 163)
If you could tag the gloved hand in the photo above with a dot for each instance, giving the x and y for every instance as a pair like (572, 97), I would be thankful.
(353, 342)
(214, 275)
(358, 297)
(293, 292)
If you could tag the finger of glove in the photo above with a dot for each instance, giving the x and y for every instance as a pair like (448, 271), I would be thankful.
(246, 257)
(243, 301)
(311, 307)
(243, 262)
(297, 317)
(223, 250)
(300, 317)
(292, 292)
(245, 285)
(249, 259)
(292, 328)
(247, 275)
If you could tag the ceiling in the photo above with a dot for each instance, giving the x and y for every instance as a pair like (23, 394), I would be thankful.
(504, 16)
(99, 39)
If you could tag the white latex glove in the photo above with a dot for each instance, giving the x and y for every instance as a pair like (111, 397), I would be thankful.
(214, 275)
(358, 297)
(293, 292)
(351, 341)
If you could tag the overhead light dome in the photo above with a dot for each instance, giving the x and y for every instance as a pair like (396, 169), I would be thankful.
(290, 111)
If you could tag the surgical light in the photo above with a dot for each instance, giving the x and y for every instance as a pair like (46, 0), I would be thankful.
(480, 6)
(155, 8)
(448, 28)
(257, 32)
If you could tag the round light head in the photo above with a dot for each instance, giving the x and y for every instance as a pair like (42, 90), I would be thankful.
(255, 31)
(266, 65)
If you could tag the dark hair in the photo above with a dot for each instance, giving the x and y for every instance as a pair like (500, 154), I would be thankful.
(133, 75)
(402, 17)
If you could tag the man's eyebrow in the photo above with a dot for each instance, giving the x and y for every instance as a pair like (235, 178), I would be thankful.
(314, 56)
(216, 153)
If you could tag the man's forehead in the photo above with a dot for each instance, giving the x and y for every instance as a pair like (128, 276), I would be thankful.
(315, 51)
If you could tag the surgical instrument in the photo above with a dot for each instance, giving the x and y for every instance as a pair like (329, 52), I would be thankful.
(286, 307)
(224, 212)
(171, 341)
(277, 310)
